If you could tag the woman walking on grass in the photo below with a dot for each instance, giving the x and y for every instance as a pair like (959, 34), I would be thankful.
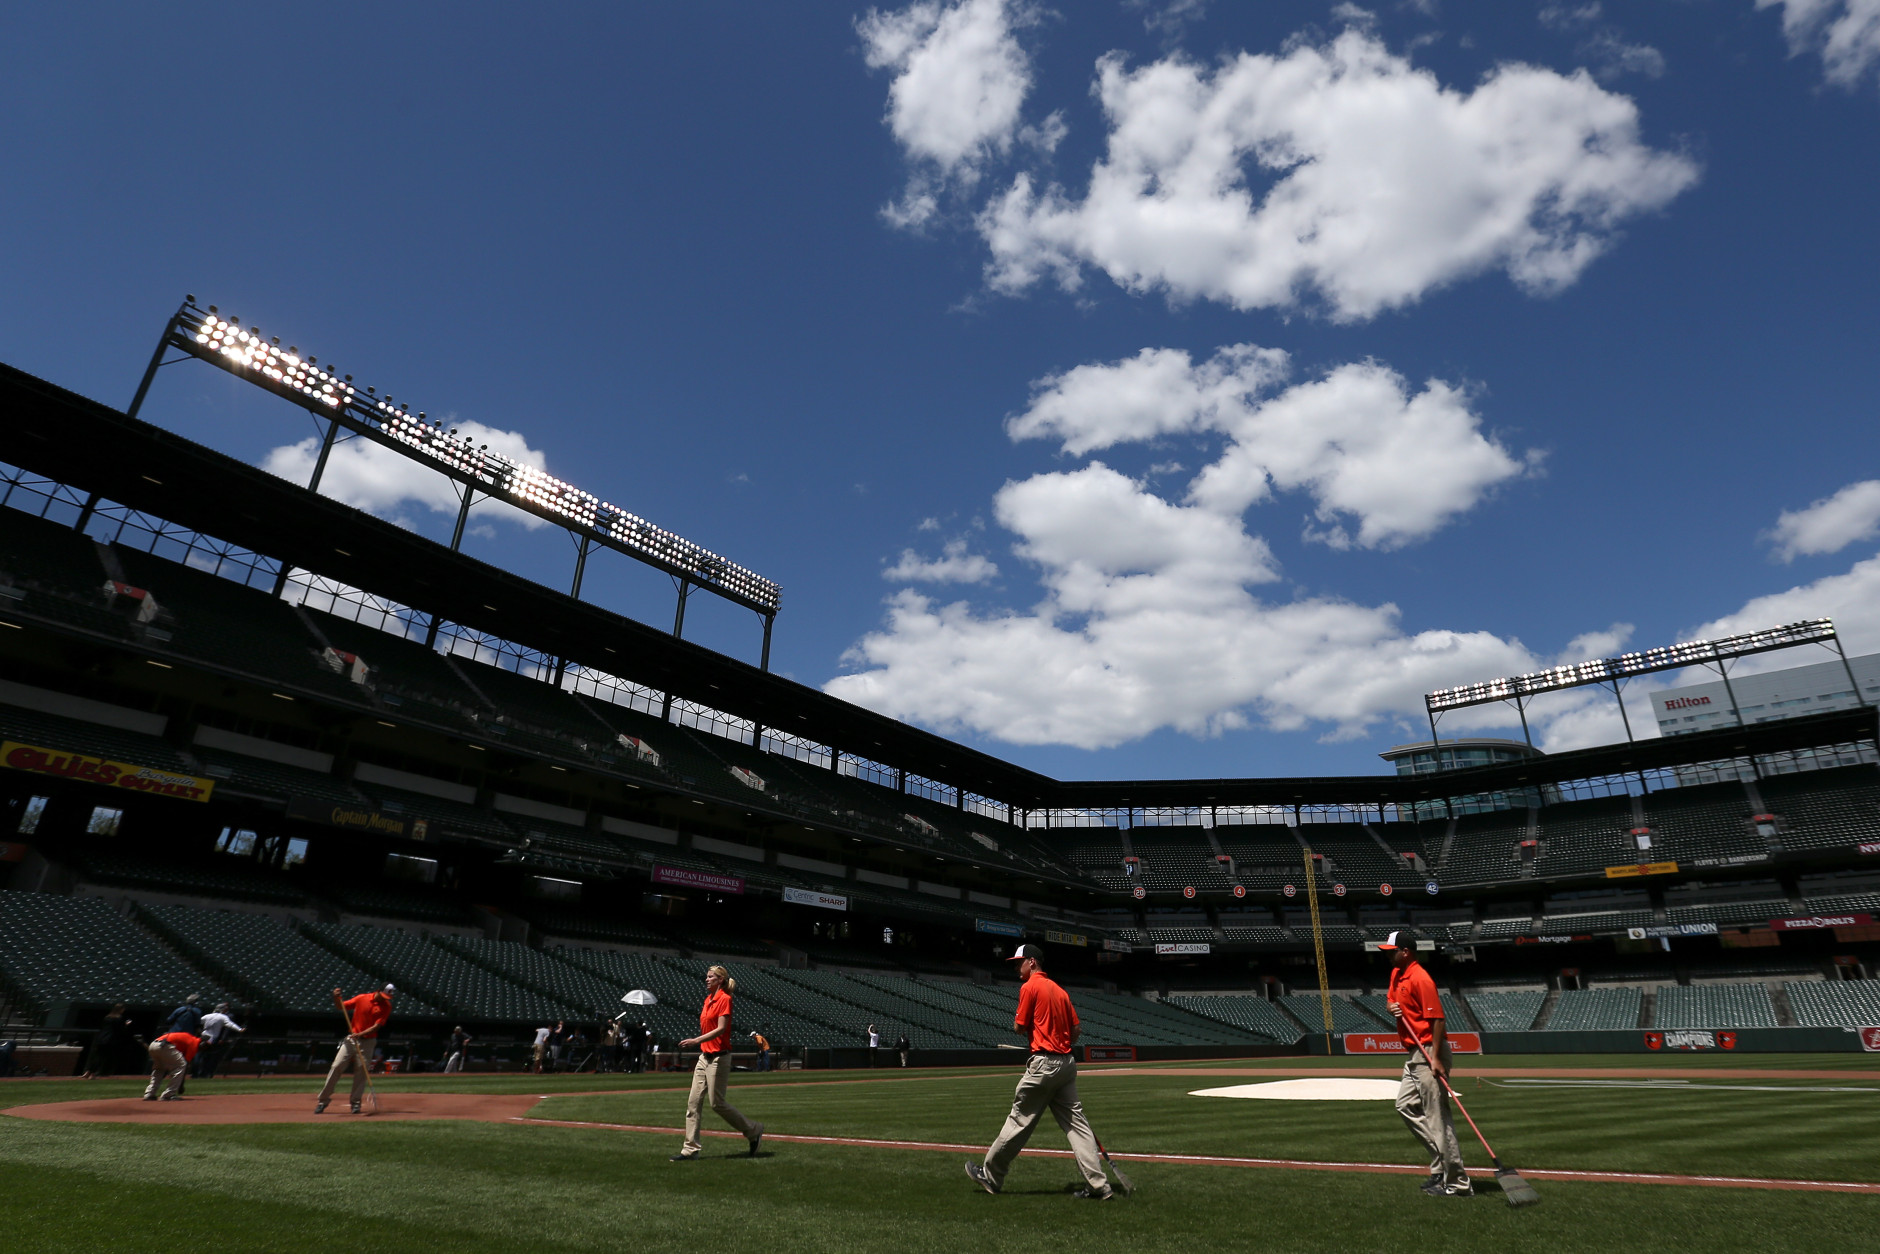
(713, 1069)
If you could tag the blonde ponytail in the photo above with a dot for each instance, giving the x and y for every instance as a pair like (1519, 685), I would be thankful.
(730, 985)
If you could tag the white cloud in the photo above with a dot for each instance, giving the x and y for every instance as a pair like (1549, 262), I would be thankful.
(1569, 16)
(1851, 599)
(1147, 618)
(374, 478)
(1613, 57)
(1357, 441)
(1338, 169)
(1830, 524)
(960, 82)
(1169, 17)
(1846, 34)
(956, 565)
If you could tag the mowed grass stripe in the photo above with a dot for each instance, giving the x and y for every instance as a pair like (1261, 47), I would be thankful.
(475, 1188)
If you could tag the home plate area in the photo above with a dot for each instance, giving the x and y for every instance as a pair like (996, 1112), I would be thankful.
(1317, 1089)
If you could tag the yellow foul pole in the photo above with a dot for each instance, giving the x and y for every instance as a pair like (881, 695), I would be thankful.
(1318, 949)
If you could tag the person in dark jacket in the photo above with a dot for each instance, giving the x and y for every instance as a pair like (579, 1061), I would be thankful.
(185, 1018)
(107, 1047)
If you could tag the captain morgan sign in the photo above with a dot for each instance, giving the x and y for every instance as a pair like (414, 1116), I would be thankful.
(126, 775)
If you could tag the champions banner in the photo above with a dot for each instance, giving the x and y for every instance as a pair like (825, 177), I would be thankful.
(683, 878)
(125, 775)
(1391, 1043)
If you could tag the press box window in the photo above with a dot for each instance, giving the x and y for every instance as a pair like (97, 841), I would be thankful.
(238, 841)
(403, 866)
(104, 821)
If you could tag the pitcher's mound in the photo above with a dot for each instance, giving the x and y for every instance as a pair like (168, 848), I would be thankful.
(281, 1108)
(1320, 1089)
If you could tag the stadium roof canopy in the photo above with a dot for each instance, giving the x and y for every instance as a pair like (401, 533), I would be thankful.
(90, 446)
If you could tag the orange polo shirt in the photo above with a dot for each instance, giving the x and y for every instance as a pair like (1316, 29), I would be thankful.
(1415, 994)
(1045, 1010)
(184, 1043)
(719, 1003)
(369, 1011)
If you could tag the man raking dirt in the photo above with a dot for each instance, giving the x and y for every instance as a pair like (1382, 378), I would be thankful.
(364, 1016)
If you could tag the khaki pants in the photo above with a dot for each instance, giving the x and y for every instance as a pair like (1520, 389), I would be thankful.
(1049, 1082)
(166, 1064)
(1425, 1108)
(708, 1084)
(350, 1057)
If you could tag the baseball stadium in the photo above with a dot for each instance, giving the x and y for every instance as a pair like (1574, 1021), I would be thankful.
(275, 759)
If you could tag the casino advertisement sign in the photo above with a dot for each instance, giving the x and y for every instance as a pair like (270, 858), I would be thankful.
(128, 776)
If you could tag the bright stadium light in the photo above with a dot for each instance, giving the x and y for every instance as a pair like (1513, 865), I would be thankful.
(222, 340)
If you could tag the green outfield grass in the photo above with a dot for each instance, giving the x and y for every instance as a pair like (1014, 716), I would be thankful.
(360, 1186)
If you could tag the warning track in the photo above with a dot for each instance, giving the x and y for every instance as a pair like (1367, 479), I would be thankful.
(1284, 1164)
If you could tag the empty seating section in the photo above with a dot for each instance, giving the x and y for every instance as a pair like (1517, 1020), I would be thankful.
(1714, 1006)
(442, 813)
(411, 681)
(1585, 837)
(939, 1002)
(1835, 1003)
(892, 1014)
(572, 921)
(240, 878)
(1356, 857)
(1174, 858)
(1593, 923)
(1829, 809)
(391, 901)
(1724, 913)
(1506, 1012)
(56, 573)
(1310, 1011)
(1483, 849)
(1095, 851)
(1596, 1009)
(231, 627)
(1251, 1013)
(1134, 1021)
(1265, 855)
(51, 731)
(1701, 821)
(288, 971)
(240, 775)
(80, 949)
(1378, 1005)
(1844, 903)
(536, 969)
(436, 974)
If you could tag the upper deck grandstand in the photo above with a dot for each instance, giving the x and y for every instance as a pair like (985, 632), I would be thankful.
(348, 753)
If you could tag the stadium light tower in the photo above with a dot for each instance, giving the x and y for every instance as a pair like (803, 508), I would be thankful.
(208, 335)
(1718, 652)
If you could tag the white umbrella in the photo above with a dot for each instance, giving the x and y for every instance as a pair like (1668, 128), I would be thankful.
(640, 997)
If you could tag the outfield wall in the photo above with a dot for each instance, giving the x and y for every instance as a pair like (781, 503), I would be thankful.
(848, 1057)
(1654, 1041)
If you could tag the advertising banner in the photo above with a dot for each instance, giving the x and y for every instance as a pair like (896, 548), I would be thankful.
(1870, 1040)
(1391, 1043)
(1186, 947)
(125, 775)
(1820, 922)
(1109, 1053)
(1868, 846)
(996, 927)
(1641, 868)
(1672, 929)
(1115, 946)
(352, 818)
(1690, 1038)
(805, 897)
(681, 877)
(1067, 938)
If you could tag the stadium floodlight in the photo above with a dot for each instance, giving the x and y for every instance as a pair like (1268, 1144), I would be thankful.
(209, 335)
(1614, 671)
(1625, 665)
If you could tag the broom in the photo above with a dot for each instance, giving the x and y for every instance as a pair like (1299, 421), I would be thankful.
(1513, 1187)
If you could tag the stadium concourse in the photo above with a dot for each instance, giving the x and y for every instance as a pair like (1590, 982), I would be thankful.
(258, 744)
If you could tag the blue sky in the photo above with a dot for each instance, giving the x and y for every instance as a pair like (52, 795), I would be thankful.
(1130, 389)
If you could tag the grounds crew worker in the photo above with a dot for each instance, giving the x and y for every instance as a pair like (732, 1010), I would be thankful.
(367, 1013)
(169, 1059)
(713, 1068)
(1046, 1015)
(1420, 1098)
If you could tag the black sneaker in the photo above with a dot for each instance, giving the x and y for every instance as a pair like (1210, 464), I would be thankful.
(980, 1178)
(319, 1108)
(355, 1108)
(1091, 1195)
(756, 1139)
(684, 1158)
(1433, 1188)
